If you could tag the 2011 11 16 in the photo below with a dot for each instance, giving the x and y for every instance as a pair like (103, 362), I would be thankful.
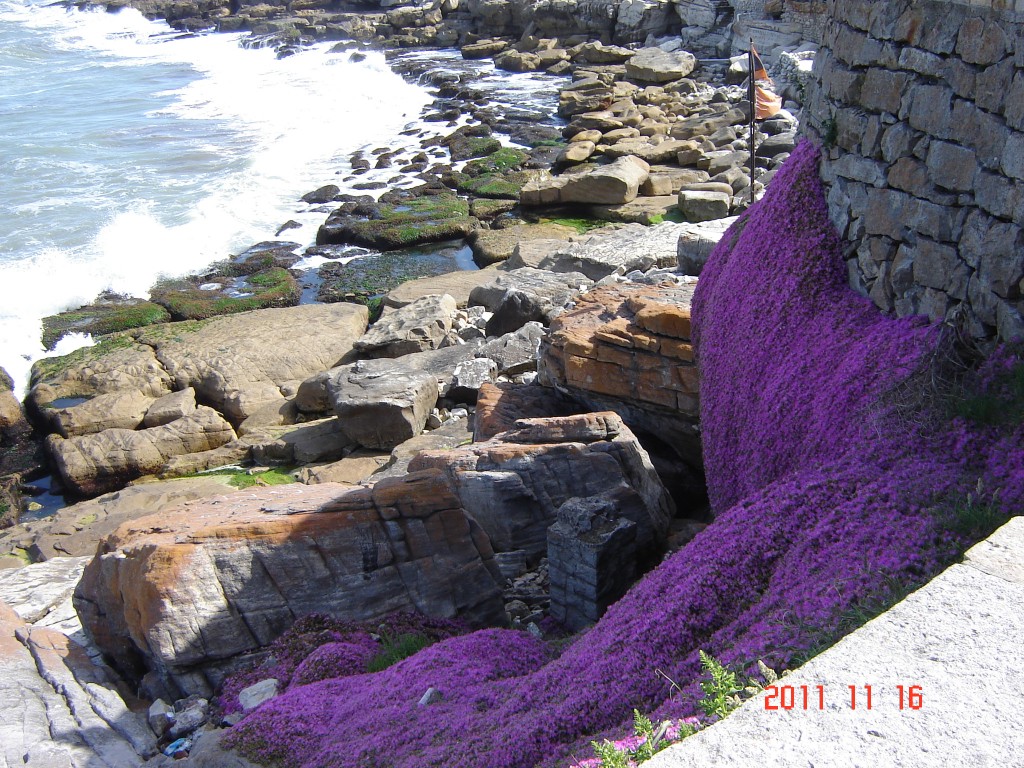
(805, 697)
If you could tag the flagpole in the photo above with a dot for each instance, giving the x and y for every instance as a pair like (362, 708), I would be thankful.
(753, 112)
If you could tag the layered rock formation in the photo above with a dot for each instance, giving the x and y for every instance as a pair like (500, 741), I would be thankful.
(58, 708)
(183, 591)
(515, 482)
(627, 348)
(92, 464)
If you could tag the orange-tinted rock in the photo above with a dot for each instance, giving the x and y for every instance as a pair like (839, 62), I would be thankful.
(499, 406)
(626, 348)
(184, 591)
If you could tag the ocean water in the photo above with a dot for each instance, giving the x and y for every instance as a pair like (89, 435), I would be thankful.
(129, 151)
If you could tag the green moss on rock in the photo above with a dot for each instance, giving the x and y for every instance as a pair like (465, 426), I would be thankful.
(199, 298)
(467, 147)
(366, 279)
(505, 159)
(109, 314)
(423, 219)
(51, 367)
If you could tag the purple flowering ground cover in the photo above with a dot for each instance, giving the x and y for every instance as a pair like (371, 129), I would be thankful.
(824, 503)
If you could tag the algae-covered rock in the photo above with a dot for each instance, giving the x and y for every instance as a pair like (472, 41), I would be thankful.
(197, 298)
(400, 221)
(109, 314)
(504, 159)
(492, 185)
(371, 276)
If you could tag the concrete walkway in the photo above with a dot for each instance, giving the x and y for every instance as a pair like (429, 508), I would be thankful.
(960, 639)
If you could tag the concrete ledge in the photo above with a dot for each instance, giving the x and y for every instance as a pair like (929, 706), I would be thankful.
(960, 638)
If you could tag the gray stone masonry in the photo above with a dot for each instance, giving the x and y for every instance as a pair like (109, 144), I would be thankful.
(919, 106)
(957, 640)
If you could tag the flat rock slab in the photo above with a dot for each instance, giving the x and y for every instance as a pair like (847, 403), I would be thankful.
(629, 248)
(59, 709)
(351, 470)
(958, 638)
(239, 363)
(192, 588)
(36, 590)
(456, 284)
(76, 530)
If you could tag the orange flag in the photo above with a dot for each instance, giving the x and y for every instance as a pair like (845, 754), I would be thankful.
(766, 103)
(759, 73)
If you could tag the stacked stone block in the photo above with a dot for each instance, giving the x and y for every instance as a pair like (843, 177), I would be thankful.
(920, 106)
(591, 560)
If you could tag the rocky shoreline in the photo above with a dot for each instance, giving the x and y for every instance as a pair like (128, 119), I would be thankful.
(513, 444)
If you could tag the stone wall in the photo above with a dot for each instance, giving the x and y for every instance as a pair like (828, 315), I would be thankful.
(920, 106)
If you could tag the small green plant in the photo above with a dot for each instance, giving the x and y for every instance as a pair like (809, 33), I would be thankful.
(397, 648)
(651, 741)
(610, 755)
(1003, 403)
(975, 515)
(721, 689)
(723, 692)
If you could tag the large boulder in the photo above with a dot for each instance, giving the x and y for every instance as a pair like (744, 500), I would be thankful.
(632, 247)
(627, 348)
(92, 464)
(613, 184)
(653, 65)
(186, 591)
(418, 326)
(515, 482)
(381, 403)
